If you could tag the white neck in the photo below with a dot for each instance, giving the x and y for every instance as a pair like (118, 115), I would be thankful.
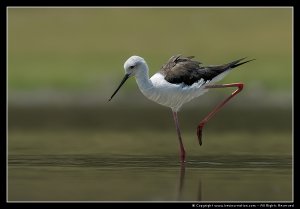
(142, 79)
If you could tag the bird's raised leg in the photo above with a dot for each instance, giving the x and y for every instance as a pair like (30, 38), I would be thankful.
(182, 151)
(218, 107)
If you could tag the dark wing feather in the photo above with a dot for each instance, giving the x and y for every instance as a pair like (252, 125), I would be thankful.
(184, 70)
(181, 70)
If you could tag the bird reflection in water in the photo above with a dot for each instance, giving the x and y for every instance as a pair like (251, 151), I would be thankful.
(181, 184)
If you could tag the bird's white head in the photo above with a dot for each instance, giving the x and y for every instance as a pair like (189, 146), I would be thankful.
(134, 66)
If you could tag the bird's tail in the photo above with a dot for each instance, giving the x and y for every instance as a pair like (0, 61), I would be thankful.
(237, 63)
(219, 71)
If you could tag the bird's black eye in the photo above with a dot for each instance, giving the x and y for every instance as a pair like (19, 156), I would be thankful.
(131, 67)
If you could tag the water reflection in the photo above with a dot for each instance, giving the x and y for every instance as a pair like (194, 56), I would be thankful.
(144, 178)
(182, 181)
(199, 191)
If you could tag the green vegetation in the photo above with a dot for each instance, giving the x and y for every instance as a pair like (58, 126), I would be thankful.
(77, 49)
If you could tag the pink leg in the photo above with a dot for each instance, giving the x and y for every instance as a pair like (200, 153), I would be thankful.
(218, 107)
(182, 151)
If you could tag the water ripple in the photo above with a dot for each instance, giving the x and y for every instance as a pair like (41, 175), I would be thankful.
(111, 161)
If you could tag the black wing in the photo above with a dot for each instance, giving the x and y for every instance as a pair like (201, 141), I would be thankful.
(185, 70)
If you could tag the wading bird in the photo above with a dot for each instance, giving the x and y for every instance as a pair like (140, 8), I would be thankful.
(179, 81)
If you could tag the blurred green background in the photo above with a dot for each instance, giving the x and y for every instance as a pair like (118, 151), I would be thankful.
(64, 63)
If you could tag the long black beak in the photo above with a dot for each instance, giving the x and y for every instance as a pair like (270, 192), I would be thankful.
(121, 84)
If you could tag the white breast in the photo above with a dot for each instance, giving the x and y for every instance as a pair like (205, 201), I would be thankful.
(172, 95)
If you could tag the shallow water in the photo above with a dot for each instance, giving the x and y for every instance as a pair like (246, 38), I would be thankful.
(149, 178)
(131, 154)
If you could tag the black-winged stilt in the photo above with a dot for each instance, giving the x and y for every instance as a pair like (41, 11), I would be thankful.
(179, 81)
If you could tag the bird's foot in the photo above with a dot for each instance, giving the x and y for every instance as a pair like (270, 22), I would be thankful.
(199, 133)
(182, 156)
(182, 159)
